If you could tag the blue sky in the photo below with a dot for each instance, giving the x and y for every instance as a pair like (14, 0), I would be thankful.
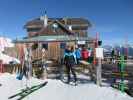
(113, 19)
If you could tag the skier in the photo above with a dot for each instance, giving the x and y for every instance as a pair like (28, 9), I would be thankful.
(85, 53)
(90, 58)
(70, 60)
(78, 54)
(113, 54)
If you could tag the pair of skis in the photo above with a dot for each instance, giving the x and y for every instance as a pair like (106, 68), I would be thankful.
(25, 92)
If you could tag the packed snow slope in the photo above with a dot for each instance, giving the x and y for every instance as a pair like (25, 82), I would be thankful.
(56, 90)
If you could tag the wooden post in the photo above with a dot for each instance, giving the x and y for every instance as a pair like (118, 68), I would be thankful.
(1, 66)
(122, 68)
(99, 72)
(99, 65)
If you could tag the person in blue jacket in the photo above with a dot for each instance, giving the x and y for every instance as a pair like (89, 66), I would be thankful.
(70, 60)
(78, 54)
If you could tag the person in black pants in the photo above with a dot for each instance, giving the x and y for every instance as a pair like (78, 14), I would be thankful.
(70, 60)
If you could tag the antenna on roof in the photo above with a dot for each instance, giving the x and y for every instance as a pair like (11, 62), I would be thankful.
(45, 12)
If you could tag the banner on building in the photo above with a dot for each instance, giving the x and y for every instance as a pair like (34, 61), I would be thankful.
(81, 42)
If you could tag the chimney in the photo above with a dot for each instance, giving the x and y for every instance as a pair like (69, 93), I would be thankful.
(45, 19)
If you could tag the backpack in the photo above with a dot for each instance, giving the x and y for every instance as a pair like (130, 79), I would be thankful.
(69, 58)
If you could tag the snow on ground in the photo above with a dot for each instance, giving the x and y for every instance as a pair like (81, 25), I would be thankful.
(56, 90)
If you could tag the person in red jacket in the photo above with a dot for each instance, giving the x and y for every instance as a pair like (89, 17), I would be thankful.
(85, 53)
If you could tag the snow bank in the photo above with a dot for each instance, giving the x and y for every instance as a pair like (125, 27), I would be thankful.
(56, 90)
(6, 42)
(7, 59)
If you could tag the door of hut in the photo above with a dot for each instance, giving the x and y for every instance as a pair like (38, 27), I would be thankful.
(54, 50)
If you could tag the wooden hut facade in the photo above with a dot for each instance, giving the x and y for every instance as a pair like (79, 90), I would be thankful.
(55, 33)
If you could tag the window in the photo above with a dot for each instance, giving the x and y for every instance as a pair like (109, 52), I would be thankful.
(45, 45)
(33, 29)
(62, 45)
(34, 46)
